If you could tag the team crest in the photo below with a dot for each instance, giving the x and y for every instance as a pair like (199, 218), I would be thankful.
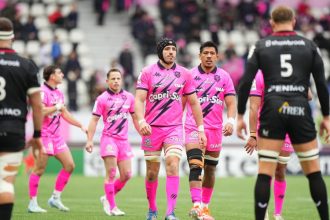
(217, 78)
(177, 74)
(147, 142)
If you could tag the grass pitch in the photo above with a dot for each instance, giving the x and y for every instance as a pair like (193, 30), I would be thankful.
(232, 199)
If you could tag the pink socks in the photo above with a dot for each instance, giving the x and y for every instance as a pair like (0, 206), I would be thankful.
(279, 193)
(172, 189)
(206, 195)
(33, 185)
(151, 190)
(62, 179)
(196, 194)
(109, 190)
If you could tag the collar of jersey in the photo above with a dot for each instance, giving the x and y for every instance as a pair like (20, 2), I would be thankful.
(202, 71)
(113, 93)
(163, 67)
(49, 87)
(284, 33)
(6, 50)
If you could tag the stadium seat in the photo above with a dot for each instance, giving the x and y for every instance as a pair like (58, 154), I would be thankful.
(205, 35)
(64, 2)
(37, 10)
(49, 1)
(51, 8)
(32, 47)
(45, 35)
(86, 62)
(76, 35)
(66, 9)
(61, 34)
(193, 48)
(66, 48)
(41, 22)
(82, 49)
(240, 49)
(151, 58)
(223, 37)
(23, 9)
(236, 37)
(19, 46)
(251, 37)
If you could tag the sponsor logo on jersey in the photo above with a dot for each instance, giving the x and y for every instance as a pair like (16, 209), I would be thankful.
(286, 88)
(11, 112)
(165, 95)
(178, 85)
(269, 43)
(286, 109)
(117, 116)
(212, 99)
(15, 63)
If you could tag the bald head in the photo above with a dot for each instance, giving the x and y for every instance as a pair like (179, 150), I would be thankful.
(6, 29)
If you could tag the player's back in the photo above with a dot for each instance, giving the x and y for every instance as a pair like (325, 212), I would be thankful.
(286, 61)
(18, 77)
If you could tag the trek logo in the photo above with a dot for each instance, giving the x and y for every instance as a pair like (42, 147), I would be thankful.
(157, 74)
(214, 100)
(166, 95)
(286, 109)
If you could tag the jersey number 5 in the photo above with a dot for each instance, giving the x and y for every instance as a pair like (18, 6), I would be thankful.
(2, 88)
(286, 65)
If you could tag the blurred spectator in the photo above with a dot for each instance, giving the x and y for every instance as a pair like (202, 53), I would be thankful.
(56, 17)
(9, 11)
(96, 85)
(101, 8)
(71, 20)
(234, 65)
(30, 31)
(18, 28)
(126, 61)
(56, 51)
(72, 73)
(44, 55)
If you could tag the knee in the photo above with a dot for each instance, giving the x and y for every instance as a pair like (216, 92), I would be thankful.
(127, 176)
(69, 167)
(152, 175)
(196, 164)
(111, 175)
(172, 169)
(39, 171)
(280, 174)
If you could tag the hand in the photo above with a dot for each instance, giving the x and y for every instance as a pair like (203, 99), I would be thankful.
(202, 139)
(89, 146)
(241, 128)
(228, 129)
(36, 145)
(145, 129)
(84, 129)
(325, 129)
(251, 145)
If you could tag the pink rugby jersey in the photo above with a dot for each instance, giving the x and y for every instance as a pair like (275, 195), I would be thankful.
(114, 108)
(51, 123)
(212, 88)
(165, 89)
(257, 89)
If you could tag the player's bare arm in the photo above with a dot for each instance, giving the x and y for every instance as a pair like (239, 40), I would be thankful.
(198, 116)
(251, 143)
(67, 116)
(228, 129)
(90, 133)
(140, 98)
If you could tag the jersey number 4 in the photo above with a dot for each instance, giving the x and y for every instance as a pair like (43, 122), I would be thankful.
(2, 88)
(286, 67)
